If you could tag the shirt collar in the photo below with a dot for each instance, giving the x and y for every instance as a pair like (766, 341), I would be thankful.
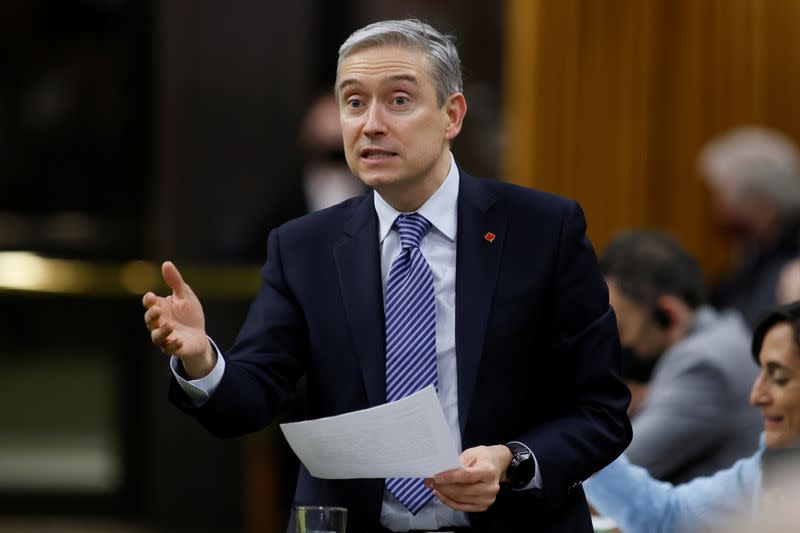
(439, 209)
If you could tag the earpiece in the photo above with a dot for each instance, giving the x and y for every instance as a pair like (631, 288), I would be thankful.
(662, 318)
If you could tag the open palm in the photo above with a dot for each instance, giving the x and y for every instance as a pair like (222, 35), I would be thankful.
(176, 322)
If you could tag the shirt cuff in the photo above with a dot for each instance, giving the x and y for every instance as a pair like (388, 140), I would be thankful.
(199, 390)
(536, 482)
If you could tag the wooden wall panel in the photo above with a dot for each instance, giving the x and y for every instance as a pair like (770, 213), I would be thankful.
(609, 102)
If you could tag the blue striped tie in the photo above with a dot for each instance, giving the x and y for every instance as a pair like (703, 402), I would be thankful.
(410, 337)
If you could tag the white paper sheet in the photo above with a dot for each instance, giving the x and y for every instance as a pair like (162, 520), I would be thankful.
(406, 438)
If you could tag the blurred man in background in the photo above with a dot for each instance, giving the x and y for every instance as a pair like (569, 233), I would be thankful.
(695, 418)
(326, 178)
(754, 179)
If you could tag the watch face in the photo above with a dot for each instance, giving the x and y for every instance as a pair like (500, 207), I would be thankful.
(522, 468)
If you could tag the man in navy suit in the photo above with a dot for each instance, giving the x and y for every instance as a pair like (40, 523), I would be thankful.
(526, 347)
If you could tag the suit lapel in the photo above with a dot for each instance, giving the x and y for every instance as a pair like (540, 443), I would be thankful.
(359, 265)
(477, 266)
(478, 258)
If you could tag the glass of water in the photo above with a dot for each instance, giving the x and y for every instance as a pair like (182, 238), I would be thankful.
(318, 519)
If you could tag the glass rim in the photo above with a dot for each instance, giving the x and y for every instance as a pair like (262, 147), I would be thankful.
(319, 508)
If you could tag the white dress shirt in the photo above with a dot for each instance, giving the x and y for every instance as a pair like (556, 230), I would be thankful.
(439, 249)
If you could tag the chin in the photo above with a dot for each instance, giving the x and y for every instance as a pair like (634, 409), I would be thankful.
(378, 181)
(778, 440)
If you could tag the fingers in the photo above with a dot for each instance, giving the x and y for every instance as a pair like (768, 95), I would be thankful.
(173, 278)
(149, 299)
(471, 488)
(465, 476)
(172, 347)
(462, 506)
(159, 335)
(151, 317)
(465, 492)
(166, 341)
(160, 330)
(472, 501)
(469, 457)
(160, 318)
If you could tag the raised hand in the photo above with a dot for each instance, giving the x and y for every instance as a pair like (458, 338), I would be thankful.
(177, 324)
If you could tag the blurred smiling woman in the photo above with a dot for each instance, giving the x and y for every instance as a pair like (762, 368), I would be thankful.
(639, 503)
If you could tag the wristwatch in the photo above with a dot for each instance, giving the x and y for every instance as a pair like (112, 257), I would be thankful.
(522, 468)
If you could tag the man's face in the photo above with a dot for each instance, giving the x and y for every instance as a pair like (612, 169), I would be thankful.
(730, 209)
(396, 135)
(637, 328)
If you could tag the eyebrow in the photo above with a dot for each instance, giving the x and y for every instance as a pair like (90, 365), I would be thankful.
(774, 367)
(396, 77)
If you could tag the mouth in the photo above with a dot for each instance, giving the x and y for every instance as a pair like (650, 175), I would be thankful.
(772, 421)
(376, 154)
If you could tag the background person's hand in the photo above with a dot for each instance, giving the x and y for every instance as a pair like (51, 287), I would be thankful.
(473, 487)
(177, 324)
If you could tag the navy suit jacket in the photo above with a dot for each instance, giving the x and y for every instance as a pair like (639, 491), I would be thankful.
(536, 343)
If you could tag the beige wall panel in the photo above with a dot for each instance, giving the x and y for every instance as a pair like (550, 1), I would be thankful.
(609, 102)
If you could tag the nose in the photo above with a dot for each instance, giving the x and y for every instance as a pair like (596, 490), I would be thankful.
(375, 124)
(759, 395)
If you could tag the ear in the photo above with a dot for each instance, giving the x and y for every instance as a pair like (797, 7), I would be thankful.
(456, 109)
(675, 316)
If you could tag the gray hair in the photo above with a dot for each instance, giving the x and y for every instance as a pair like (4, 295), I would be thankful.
(755, 160)
(440, 49)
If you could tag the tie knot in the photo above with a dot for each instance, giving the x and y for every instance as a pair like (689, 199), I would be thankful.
(412, 229)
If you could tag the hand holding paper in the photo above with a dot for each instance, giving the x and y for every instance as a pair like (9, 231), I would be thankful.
(474, 487)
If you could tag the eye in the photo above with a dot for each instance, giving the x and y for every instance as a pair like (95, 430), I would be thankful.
(778, 378)
(354, 103)
(400, 100)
